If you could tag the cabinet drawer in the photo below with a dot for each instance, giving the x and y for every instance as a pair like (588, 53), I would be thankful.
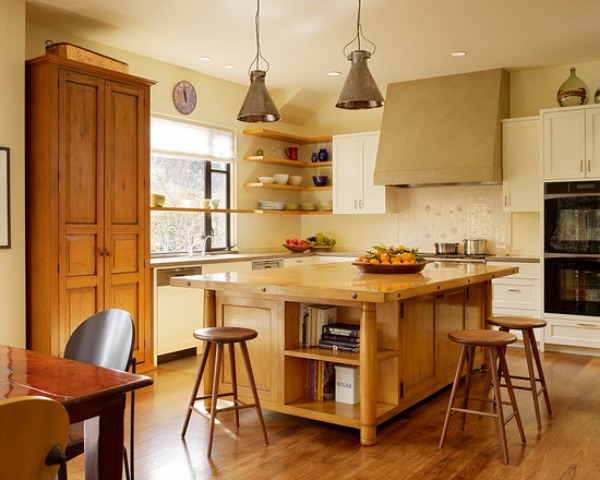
(516, 294)
(576, 333)
(526, 270)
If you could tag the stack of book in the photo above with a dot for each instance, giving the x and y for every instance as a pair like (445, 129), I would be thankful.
(312, 319)
(341, 336)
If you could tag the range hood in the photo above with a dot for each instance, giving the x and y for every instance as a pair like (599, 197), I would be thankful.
(443, 130)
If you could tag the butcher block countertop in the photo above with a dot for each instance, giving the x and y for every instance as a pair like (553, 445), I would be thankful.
(343, 281)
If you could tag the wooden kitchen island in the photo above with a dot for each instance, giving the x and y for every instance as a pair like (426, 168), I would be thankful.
(405, 355)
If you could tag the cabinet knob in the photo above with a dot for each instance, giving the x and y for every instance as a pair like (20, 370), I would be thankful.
(589, 165)
(581, 166)
(355, 204)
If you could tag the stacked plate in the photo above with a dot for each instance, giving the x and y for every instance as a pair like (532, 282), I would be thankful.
(270, 205)
(308, 207)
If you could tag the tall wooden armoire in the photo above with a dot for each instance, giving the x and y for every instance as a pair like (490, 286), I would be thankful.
(87, 200)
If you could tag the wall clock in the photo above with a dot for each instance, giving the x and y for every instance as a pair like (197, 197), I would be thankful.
(184, 97)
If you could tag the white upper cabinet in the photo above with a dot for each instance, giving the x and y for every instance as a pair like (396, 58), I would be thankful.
(522, 185)
(571, 143)
(353, 190)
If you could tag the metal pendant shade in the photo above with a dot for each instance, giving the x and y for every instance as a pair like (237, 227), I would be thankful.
(258, 105)
(360, 90)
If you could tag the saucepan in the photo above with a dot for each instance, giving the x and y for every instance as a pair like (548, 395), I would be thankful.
(475, 247)
(446, 248)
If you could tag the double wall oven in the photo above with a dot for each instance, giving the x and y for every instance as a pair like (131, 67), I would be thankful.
(572, 248)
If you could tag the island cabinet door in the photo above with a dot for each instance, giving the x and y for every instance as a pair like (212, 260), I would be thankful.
(417, 348)
(260, 315)
(449, 316)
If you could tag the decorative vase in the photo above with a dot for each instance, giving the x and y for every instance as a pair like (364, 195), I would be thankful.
(323, 155)
(314, 157)
(573, 91)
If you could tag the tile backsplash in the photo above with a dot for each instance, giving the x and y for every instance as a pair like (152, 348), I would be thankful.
(451, 214)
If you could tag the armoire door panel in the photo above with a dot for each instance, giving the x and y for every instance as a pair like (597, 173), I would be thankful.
(124, 254)
(80, 147)
(78, 304)
(80, 255)
(125, 110)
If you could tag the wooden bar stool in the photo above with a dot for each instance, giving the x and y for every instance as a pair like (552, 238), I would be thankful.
(526, 326)
(220, 336)
(494, 343)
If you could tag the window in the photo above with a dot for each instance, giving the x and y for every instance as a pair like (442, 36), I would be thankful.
(190, 163)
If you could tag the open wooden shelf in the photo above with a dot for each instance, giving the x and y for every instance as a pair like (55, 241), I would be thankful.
(336, 356)
(286, 137)
(235, 210)
(284, 162)
(277, 186)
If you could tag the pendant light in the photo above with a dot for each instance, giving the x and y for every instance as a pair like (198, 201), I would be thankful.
(258, 105)
(360, 90)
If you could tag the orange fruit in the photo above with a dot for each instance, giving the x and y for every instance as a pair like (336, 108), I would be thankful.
(407, 257)
(374, 261)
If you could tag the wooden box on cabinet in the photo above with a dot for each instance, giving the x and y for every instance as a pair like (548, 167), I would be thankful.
(87, 171)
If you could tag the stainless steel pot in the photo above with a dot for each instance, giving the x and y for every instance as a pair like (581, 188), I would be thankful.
(446, 248)
(475, 247)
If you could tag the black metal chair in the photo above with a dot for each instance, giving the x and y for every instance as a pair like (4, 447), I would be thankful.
(35, 432)
(105, 339)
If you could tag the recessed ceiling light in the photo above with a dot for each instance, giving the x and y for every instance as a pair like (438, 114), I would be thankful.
(206, 59)
(459, 53)
(229, 66)
(333, 73)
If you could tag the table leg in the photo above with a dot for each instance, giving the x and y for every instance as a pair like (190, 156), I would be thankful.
(368, 373)
(103, 440)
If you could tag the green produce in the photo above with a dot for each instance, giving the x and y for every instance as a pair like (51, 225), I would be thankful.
(321, 240)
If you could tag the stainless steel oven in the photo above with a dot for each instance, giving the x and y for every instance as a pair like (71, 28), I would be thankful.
(572, 285)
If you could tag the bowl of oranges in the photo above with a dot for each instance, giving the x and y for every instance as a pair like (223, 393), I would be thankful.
(390, 259)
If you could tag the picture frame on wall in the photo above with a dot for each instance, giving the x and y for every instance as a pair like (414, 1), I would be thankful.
(4, 197)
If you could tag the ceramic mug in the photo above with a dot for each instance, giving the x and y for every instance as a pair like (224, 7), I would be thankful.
(291, 153)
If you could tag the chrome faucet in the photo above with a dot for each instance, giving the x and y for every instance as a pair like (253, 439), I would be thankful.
(204, 239)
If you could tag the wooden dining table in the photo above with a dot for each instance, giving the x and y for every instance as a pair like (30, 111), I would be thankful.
(89, 393)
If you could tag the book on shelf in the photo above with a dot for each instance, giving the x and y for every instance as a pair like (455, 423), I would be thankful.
(344, 329)
(318, 379)
(311, 322)
(339, 346)
(340, 338)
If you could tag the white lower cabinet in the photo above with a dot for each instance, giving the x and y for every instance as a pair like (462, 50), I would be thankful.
(518, 294)
(223, 267)
(297, 261)
(573, 331)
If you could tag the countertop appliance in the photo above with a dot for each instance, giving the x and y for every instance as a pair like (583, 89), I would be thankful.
(264, 264)
(178, 314)
(572, 248)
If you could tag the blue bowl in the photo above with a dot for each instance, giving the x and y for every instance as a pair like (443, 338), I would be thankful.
(320, 180)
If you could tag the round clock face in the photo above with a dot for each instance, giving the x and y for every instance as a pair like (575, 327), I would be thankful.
(184, 97)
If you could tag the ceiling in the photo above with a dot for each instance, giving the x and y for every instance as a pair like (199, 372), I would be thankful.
(304, 39)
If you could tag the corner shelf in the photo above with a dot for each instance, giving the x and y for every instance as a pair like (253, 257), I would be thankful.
(284, 162)
(286, 137)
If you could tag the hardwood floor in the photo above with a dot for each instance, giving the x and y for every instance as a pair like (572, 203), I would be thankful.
(567, 447)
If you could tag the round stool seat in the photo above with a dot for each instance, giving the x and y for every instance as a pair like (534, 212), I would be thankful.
(519, 323)
(482, 338)
(225, 334)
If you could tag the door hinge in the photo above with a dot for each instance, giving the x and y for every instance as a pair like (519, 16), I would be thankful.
(467, 293)
(401, 389)
(402, 310)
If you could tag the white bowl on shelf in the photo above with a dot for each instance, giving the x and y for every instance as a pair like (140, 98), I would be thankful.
(295, 180)
(266, 179)
(281, 178)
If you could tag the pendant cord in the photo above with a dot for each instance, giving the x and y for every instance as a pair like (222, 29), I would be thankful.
(359, 34)
(258, 52)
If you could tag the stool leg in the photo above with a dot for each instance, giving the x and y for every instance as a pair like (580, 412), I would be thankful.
(196, 387)
(494, 353)
(511, 393)
(246, 358)
(532, 381)
(459, 368)
(465, 404)
(234, 390)
(538, 362)
(215, 396)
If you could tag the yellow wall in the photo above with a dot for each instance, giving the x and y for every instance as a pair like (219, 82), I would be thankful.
(12, 132)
